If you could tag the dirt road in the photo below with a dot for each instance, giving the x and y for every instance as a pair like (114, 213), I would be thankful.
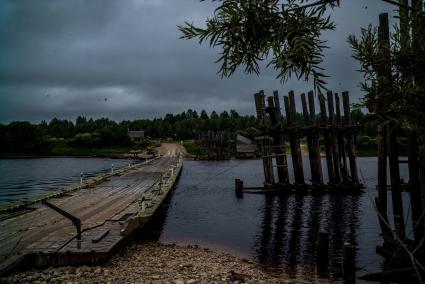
(171, 149)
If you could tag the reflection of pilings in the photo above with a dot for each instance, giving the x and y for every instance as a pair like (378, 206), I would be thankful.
(263, 249)
(313, 226)
(296, 233)
(279, 230)
(288, 235)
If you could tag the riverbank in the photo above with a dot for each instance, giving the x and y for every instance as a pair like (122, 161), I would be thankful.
(151, 262)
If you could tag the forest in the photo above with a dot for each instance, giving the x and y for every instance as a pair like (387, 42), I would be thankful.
(104, 136)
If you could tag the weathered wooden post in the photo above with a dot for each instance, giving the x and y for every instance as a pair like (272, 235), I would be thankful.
(334, 139)
(264, 141)
(281, 160)
(350, 138)
(385, 86)
(294, 138)
(238, 187)
(326, 137)
(381, 201)
(414, 186)
(318, 179)
(340, 134)
(309, 133)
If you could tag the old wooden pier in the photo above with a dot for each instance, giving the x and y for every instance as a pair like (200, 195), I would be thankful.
(336, 130)
(213, 145)
(86, 223)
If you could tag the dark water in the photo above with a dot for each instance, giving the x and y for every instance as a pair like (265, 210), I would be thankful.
(21, 178)
(275, 231)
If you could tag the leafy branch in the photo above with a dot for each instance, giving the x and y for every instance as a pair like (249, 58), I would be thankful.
(286, 35)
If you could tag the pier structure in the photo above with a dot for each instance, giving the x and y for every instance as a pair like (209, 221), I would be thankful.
(85, 223)
(213, 145)
(331, 129)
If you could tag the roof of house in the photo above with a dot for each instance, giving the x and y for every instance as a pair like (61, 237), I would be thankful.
(244, 144)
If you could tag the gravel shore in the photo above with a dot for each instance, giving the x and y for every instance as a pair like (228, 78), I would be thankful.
(151, 262)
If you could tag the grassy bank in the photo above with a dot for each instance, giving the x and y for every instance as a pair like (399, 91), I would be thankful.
(65, 148)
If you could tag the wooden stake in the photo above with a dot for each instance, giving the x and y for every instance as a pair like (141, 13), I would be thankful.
(309, 130)
(264, 141)
(294, 139)
(334, 139)
(281, 160)
(350, 138)
(318, 179)
(326, 136)
(414, 186)
(340, 135)
(395, 182)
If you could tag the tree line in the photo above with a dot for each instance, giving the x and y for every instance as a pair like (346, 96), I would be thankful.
(25, 137)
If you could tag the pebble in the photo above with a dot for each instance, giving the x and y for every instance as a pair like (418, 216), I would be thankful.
(151, 262)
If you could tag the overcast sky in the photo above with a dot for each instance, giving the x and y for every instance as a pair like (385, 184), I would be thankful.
(124, 60)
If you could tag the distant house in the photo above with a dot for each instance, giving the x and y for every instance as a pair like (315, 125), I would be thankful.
(245, 148)
(136, 135)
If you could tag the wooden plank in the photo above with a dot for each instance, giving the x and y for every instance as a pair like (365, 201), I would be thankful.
(45, 230)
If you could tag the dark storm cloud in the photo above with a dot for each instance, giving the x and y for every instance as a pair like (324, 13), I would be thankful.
(124, 59)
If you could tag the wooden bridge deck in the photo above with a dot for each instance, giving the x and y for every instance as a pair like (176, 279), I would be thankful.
(110, 213)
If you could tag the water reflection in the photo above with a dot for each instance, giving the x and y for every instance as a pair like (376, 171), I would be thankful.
(290, 225)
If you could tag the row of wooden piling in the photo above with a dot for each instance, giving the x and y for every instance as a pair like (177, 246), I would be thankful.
(338, 134)
(213, 145)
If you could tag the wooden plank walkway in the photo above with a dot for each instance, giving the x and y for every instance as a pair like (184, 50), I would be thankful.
(110, 213)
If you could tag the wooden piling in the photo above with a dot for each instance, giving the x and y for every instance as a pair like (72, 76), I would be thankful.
(350, 135)
(395, 182)
(294, 138)
(238, 186)
(264, 141)
(279, 139)
(317, 160)
(334, 139)
(414, 186)
(340, 135)
(381, 201)
(326, 137)
(311, 150)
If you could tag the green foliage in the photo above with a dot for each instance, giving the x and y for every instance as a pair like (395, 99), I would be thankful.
(191, 146)
(400, 96)
(250, 31)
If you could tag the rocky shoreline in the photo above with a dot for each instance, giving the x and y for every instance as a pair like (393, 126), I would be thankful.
(151, 262)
